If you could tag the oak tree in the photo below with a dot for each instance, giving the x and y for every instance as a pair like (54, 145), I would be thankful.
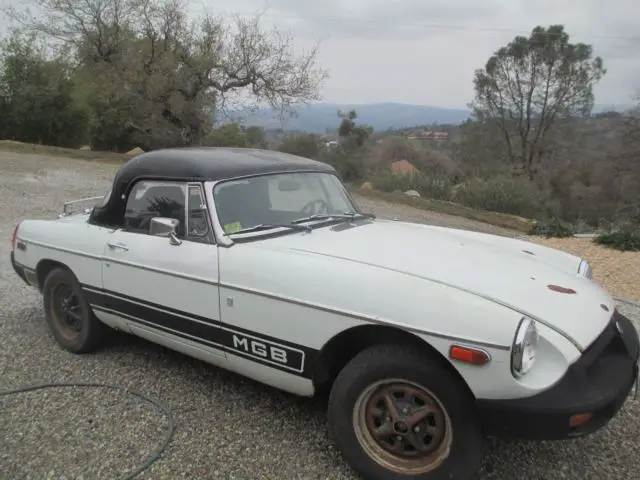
(36, 96)
(154, 76)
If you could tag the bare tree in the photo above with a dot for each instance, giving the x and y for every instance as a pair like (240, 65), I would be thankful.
(531, 82)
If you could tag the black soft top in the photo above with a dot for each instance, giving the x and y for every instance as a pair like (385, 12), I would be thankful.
(197, 164)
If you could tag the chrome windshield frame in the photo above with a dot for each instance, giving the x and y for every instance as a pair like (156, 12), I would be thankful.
(585, 270)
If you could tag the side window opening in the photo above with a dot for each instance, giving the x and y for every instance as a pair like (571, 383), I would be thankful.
(155, 199)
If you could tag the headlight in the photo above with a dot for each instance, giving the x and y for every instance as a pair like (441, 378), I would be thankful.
(584, 270)
(523, 350)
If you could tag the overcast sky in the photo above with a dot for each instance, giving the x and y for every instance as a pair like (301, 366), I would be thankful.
(425, 51)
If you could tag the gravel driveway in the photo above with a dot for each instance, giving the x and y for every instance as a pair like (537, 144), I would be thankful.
(226, 426)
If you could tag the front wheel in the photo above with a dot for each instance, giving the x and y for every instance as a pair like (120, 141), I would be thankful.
(397, 413)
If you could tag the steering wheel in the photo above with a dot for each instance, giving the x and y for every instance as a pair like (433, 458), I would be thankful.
(309, 207)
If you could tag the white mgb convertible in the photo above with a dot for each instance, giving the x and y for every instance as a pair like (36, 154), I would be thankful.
(260, 262)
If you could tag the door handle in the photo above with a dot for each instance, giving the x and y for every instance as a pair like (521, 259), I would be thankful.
(114, 245)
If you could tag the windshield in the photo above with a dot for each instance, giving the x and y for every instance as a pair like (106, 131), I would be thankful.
(279, 200)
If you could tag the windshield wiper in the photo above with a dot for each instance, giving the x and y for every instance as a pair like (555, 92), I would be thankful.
(326, 216)
(294, 225)
(360, 215)
(268, 226)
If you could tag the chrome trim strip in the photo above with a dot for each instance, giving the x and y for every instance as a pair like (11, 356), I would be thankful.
(218, 232)
(127, 263)
(364, 318)
(293, 301)
(584, 269)
(61, 249)
(164, 271)
(462, 289)
(210, 236)
(186, 209)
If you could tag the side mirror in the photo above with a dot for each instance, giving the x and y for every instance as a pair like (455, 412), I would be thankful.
(165, 227)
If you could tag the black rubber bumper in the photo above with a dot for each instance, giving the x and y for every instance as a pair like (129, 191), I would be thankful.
(19, 269)
(598, 383)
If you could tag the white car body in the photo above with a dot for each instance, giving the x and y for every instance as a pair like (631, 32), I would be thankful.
(481, 284)
(270, 308)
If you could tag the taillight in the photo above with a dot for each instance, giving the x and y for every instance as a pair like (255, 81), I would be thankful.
(14, 237)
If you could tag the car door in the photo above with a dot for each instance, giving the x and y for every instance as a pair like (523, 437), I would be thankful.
(165, 291)
(264, 332)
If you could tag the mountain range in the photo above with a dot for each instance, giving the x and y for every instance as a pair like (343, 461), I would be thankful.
(322, 117)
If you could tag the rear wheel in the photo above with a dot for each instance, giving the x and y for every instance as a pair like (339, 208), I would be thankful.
(398, 413)
(69, 315)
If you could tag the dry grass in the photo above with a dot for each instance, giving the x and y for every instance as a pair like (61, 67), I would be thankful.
(618, 272)
(503, 220)
(46, 150)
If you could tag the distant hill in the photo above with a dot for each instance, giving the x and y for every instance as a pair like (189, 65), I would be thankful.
(320, 117)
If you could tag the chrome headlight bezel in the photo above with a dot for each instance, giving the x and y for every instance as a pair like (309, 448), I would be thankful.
(584, 269)
(524, 347)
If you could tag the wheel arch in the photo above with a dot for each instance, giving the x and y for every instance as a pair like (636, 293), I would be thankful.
(44, 267)
(344, 346)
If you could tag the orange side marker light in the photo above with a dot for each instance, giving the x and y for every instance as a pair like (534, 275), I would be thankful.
(469, 355)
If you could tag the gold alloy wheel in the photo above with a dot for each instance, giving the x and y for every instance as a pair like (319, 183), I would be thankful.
(402, 426)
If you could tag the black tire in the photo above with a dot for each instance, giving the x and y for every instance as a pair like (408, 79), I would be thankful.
(452, 407)
(87, 333)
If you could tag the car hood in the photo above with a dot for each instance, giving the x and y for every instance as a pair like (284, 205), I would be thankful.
(511, 272)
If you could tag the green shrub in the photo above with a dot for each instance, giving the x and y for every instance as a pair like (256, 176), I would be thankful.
(551, 228)
(502, 194)
(436, 187)
(349, 165)
(624, 240)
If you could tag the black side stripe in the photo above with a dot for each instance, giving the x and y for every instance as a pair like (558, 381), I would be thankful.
(266, 350)
(105, 295)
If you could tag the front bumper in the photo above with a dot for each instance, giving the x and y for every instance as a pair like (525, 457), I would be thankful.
(597, 384)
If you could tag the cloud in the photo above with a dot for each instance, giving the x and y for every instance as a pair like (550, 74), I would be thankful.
(420, 51)
(407, 50)
(378, 19)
